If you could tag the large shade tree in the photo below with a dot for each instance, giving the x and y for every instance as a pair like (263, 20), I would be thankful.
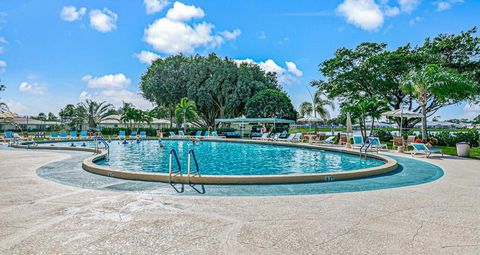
(436, 83)
(270, 103)
(371, 71)
(220, 87)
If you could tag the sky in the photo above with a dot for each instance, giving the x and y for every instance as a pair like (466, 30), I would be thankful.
(53, 53)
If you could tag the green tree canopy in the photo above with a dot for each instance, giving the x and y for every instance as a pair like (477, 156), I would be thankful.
(440, 84)
(372, 71)
(219, 87)
(270, 103)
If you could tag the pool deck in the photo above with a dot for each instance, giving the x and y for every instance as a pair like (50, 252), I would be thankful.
(43, 217)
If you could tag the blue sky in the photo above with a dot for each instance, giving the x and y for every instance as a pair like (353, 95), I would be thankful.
(57, 52)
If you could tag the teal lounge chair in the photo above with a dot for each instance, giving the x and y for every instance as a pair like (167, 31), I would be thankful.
(288, 139)
(143, 134)
(214, 134)
(420, 148)
(121, 134)
(207, 133)
(263, 137)
(73, 134)
(133, 134)
(53, 135)
(171, 134)
(181, 134)
(198, 134)
(84, 135)
(297, 137)
(329, 140)
(377, 144)
(63, 135)
(357, 141)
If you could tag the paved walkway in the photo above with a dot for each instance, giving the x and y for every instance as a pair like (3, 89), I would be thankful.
(43, 217)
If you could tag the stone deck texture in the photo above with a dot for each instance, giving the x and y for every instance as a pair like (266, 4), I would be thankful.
(38, 216)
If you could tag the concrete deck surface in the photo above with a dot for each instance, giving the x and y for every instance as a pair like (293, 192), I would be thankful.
(38, 216)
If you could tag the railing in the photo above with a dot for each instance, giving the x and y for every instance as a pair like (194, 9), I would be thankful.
(365, 146)
(104, 142)
(191, 154)
(172, 172)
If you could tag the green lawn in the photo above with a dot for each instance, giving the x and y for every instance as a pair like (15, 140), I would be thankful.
(474, 152)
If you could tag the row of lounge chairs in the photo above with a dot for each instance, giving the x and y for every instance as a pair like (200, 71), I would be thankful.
(198, 134)
(134, 134)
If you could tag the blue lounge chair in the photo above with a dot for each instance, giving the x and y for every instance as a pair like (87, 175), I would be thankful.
(9, 135)
(181, 134)
(171, 134)
(377, 144)
(297, 137)
(357, 141)
(288, 139)
(121, 134)
(214, 134)
(207, 133)
(133, 134)
(53, 135)
(263, 137)
(198, 134)
(83, 134)
(73, 134)
(420, 148)
(63, 134)
(143, 134)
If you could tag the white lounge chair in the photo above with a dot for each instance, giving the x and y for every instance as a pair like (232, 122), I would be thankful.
(421, 148)
(288, 139)
(297, 137)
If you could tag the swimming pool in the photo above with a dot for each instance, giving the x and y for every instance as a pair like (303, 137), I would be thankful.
(229, 158)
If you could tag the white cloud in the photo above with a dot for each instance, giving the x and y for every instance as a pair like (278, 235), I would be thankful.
(285, 76)
(2, 42)
(154, 6)
(471, 110)
(16, 107)
(365, 14)
(147, 57)
(231, 35)
(391, 11)
(172, 35)
(183, 12)
(445, 5)
(109, 81)
(414, 21)
(291, 67)
(70, 13)
(3, 66)
(31, 88)
(117, 97)
(103, 21)
(408, 5)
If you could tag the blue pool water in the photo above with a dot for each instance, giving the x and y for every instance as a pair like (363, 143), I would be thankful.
(227, 158)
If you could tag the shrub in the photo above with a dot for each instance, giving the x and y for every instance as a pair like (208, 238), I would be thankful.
(382, 134)
(446, 138)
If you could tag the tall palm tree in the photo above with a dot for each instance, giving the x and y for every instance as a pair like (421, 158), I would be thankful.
(185, 110)
(434, 82)
(305, 109)
(97, 112)
(3, 105)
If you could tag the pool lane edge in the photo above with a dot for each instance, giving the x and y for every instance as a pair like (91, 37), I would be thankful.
(89, 165)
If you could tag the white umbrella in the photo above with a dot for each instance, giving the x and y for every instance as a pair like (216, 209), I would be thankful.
(402, 113)
(349, 123)
(310, 119)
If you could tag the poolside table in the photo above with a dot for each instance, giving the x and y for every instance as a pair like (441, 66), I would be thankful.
(310, 138)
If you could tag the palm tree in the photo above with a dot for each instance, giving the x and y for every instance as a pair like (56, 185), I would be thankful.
(439, 83)
(3, 106)
(185, 110)
(97, 112)
(306, 109)
(320, 106)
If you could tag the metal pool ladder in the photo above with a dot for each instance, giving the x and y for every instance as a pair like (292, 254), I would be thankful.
(196, 172)
(365, 146)
(172, 172)
(104, 142)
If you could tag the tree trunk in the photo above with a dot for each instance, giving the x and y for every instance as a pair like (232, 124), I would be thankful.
(424, 123)
(371, 128)
(185, 122)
